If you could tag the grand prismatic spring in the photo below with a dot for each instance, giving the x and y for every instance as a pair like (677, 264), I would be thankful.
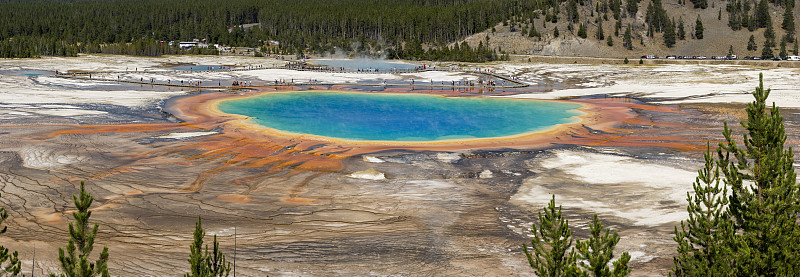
(400, 117)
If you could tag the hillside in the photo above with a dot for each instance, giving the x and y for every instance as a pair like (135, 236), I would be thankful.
(717, 40)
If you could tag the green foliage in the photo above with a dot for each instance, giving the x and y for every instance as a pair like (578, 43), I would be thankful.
(62, 28)
(572, 11)
(753, 231)
(766, 51)
(459, 52)
(551, 252)
(700, 4)
(783, 52)
(632, 6)
(10, 265)
(698, 28)
(582, 31)
(794, 49)
(703, 239)
(610, 41)
(205, 263)
(626, 61)
(788, 22)
(656, 18)
(751, 44)
(595, 253)
(627, 39)
(669, 34)
(769, 36)
(738, 14)
(533, 32)
(764, 191)
(555, 32)
(681, 31)
(761, 15)
(82, 239)
(600, 35)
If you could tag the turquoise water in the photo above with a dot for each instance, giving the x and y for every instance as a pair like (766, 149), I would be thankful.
(399, 117)
(354, 64)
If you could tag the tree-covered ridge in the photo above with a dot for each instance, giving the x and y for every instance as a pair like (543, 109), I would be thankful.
(69, 27)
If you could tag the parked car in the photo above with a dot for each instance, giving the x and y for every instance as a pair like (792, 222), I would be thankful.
(671, 57)
(793, 58)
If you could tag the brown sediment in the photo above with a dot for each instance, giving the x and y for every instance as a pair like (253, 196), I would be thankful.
(235, 198)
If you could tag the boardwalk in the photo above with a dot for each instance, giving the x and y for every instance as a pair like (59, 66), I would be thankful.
(99, 76)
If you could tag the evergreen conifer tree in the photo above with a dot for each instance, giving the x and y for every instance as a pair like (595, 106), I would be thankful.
(555, 32)
(627, 39)
(205, 263)
(681, 30)
(600, 35)
(595, 253)
(766, 51)
(701, 4)
(788, 21)
(794, 50)
(783, 52)
(769, 36)
(704, 239)
(669, 34)
(549, 254)
(764, 201)
(82, 239)
(610, 40)
(10, 265)
(761, 15)
(582, 31)
(552, 254)
(632, 6)
(533, 32)
(698, 28)
(751, 44)
(753, 231)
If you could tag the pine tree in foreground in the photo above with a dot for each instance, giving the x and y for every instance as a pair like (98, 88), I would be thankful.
(703, 239)
(10, 264)
(596, 252)
(205, 263)
(551, 252)
(82, 239)
(754, 230)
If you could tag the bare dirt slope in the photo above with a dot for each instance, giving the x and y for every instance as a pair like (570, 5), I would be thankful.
(718, 37)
